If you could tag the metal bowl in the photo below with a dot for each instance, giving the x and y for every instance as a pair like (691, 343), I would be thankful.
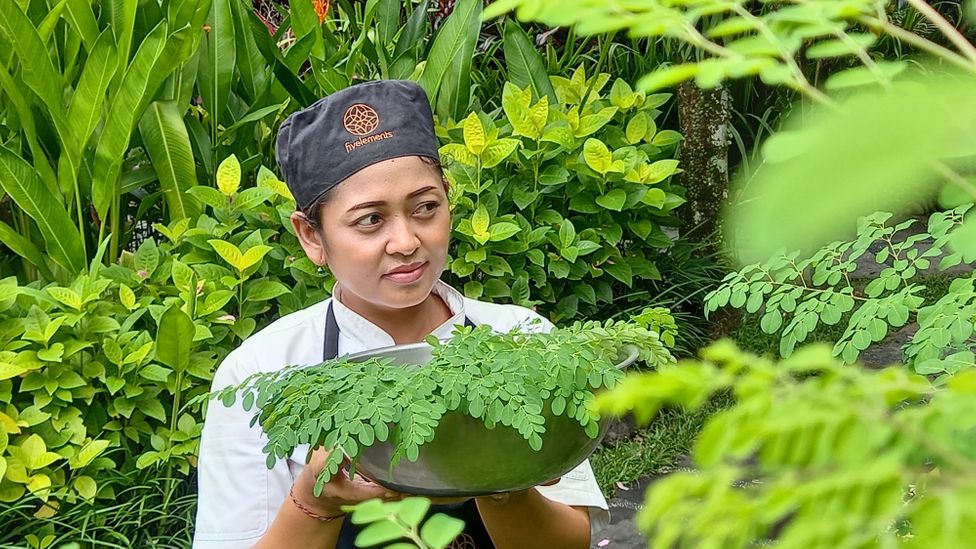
(467, 459)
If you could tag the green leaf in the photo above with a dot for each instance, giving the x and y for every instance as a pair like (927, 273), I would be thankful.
(263, 290)
(480, 221)
(501, 231)
(497, 151)
(620, 270)
(567, 233)
(660, 170)
(637, 128)
(450, 55)
(622, 95)
(86, 487)
(88, 453)
(837, 47)
(168, 145)
(19, 180)
(597, 156)
(229, 176)
(153, 62)
(861, 76)
(666, 138)
(771, 321)
(526, 67)
(667, 77)
(218, 58)
(155, 372)
(24, 248)
(613, 200)
(440, 530)
(379, 532)
(89, 96)
(174, 339)
(413, 510)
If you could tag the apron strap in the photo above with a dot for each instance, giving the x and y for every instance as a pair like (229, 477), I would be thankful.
(330, 344)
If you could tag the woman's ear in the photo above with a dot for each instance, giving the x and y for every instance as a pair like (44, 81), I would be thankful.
(311, 239)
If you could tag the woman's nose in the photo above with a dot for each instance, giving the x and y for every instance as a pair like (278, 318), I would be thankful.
(403, 239)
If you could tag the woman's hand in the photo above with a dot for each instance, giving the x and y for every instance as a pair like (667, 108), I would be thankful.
(339, 491)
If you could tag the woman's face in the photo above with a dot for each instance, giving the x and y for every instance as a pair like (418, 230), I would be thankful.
(384, 233)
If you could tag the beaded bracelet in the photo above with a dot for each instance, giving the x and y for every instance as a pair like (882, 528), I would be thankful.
(309, 512)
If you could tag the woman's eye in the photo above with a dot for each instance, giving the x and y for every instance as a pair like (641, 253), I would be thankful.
(369, 220)
(428, 207)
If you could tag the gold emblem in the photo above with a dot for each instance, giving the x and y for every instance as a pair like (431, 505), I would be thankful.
(360, 119)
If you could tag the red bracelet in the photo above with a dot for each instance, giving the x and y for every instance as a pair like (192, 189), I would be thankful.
(309, 512)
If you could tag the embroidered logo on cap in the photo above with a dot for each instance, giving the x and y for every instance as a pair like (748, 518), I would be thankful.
(360, 119)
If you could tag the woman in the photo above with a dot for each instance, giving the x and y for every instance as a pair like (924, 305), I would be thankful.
(372, 207)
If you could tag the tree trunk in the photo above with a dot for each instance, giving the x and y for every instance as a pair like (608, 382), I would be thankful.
(704, 118)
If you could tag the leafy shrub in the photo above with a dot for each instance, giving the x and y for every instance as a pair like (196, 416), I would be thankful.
(513, 380)
(588, 181)
(796, 295)
(111, 360)
(813, 454)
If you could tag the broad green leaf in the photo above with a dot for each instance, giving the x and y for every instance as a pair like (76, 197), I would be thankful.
(526, 67)
(480, 222)
(567, 233)
(9, 371)
(80, 16)
(127, 297)
(660, 170)
(597, 156)
(67, 296)
(591, 123)
(24, 248)
(229, 175)
(667, 77)
(38, 70)
(251, 66)
(613, 200)
(86, 487)
(497, 151)
(379, 532)
(621, 94)
(89, 96)
(837, 47)
(39, 485)
(412, 510)
(248, 199)
(228, 252)
(861, 76)
(88, 453)
(21, 182)
(474, 134)
(440, 530)
(501, 231)
(35, 454)
(157, 56)
(636, 128)
(459, 153)
(264, 290)
(168, 145)
(254, 255)
(665, 138)
(448, 62)
(218, 58)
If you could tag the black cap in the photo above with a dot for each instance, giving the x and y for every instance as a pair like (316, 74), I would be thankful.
(322, 145)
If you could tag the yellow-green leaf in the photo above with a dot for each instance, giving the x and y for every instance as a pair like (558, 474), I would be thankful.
(35, 454)
(253, 255)
(86, 487)
(127, 297)
(66, 296)
(474, 134)
(498, 151)
(40, 485)
(622, 95)
(8, 370)
(459, 153)
(88, 453)
(228, 252)
(229, 175)
(636, 128)
(480, 221)
(8, 425)
(267, 180)
(538, 116)
(669, 76)
(597, 156)
(660, 170)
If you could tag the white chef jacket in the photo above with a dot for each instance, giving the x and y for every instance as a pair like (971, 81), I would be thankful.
(239, 496)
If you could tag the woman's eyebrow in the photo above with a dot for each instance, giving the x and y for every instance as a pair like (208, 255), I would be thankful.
(377, 203)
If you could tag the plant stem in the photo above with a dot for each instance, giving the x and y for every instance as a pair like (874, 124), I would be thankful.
(914, 40)
(950, 32)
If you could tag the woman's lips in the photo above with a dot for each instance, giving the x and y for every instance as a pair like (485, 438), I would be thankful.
(406, 277)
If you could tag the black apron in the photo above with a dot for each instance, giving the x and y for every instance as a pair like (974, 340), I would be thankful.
(474, 536)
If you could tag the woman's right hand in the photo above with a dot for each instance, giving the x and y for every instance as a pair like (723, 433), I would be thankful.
(339, 491)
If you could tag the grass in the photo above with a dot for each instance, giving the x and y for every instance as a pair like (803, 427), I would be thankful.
(655, 449)
(136, 517)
